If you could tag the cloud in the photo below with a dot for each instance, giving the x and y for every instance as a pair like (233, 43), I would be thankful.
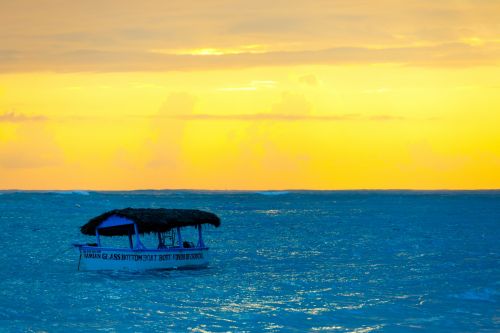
(291, 107)
(272, 158)
(266, 25)
(8, 55)
(122, 36)
(385, 117)
(166, 147)
(309, 80)
(282, 117)
(263, 117)
(448, 54)
(292, 104)
(13, 117)
(179, 102)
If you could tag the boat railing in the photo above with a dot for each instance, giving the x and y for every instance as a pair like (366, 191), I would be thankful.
(174, 249)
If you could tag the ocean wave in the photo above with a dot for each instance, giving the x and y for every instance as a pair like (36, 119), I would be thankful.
(273, 192)
(80, 192)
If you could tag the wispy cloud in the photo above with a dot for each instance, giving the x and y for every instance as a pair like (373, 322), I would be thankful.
(448, 54)
(212, 51)
(281, 117)
(14, 117)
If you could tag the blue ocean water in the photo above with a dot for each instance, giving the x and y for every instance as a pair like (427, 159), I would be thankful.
(341, 261)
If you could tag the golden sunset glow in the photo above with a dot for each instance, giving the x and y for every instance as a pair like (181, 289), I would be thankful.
(226, 95)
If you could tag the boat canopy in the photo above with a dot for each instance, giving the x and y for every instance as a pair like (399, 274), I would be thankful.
(120, 222)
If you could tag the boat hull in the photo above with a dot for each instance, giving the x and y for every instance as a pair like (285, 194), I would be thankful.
(97, 258)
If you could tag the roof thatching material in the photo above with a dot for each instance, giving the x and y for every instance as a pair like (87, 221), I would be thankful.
(150, 220)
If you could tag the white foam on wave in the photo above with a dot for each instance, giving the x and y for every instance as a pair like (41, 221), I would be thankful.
(80, 192)
(273, 192)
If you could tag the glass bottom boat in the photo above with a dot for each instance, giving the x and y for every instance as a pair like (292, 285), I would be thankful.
(172, 252)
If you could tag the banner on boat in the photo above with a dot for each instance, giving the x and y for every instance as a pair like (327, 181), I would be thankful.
(141, 257)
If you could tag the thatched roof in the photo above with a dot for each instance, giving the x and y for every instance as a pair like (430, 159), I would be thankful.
(150, 220)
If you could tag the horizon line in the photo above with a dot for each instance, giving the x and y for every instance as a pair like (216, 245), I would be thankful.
(253, 190)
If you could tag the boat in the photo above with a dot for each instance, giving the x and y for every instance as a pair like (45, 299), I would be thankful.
(171, 252)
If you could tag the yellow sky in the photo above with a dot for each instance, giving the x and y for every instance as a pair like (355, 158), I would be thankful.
(238, 95)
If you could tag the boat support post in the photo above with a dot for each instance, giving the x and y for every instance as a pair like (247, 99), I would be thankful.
(138, 244)
(98, 237)
(179, 237)
(200, 237)
(130, 243)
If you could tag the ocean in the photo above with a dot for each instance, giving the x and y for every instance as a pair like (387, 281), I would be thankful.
(287, 261)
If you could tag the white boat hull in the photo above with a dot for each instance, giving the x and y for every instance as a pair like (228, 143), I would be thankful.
(94, 258)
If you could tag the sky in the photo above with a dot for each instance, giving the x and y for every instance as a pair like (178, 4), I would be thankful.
(238, 95)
